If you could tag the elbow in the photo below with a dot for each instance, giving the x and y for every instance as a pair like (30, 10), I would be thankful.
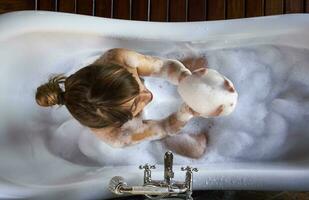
(172, 126)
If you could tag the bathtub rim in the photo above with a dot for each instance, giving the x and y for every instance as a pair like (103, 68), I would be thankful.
(20, 22)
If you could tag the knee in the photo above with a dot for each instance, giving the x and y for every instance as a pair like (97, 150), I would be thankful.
(192, 146)
(199, 146)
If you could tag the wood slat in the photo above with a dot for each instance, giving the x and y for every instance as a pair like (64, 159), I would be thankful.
(15, 5)
(84, 7)
(177, 11)
(254, 8)
(103, 8)
(294, 6)
(196, 10)
(158, 10)
(140, 10)
(274, 7)
(47, 5)
(121, 9)
(235, 9)
(215, 9)
(66, 6)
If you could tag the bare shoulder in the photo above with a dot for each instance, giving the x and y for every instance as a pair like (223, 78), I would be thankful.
(115, 55)
(109, 134)
(130, 59)
(123, 136)
(133, 125)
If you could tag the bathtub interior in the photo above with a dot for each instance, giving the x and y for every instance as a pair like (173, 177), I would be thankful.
(47, 150)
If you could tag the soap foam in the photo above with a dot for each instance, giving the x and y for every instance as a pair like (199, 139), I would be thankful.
(268, 123)
(259, 127)
(270, 117)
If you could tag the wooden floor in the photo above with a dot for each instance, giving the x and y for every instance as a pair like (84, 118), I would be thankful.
(163, 10)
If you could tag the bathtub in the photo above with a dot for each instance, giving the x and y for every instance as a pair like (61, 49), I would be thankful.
(27, 167)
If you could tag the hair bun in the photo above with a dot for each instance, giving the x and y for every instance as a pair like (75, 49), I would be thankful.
(50, 93)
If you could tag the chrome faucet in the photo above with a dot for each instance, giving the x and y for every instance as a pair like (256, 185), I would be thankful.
(147, 172)
(155, 189)
(168, 167)
(189, 178)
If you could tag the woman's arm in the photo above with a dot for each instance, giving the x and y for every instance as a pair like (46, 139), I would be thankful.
(148, 130)
(170, 69)
(119, 137)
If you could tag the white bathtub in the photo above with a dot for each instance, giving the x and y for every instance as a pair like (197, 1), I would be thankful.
(28, 169)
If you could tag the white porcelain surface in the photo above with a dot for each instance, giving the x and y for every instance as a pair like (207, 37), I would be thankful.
(28, 170)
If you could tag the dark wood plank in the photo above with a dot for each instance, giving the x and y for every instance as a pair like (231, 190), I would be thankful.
(84, 7)
(177, 11)
(103, 8)
(235, 9)
(15, 5)
(140, 10)
(254, 8)
(121, 9)
(47, 5)
(274, 7)
(215, 9)
(158, 10)
(294, 6)
(196, 10)
(307, 6)
(66, 6)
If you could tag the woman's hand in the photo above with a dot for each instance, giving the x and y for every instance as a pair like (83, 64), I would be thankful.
(176, 121)
(195, 62)
(185, 109)
(198, 72)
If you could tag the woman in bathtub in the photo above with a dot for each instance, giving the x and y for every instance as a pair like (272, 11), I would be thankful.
(107, 94)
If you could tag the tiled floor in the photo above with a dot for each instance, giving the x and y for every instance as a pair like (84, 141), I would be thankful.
(239, 195)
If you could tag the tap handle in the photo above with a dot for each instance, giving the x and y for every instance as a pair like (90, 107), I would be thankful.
(147, 166)
(189, 169)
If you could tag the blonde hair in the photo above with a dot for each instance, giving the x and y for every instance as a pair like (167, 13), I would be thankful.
(95, 95)
(50, 93)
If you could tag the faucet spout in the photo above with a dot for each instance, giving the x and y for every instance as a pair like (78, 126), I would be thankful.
(168, 167)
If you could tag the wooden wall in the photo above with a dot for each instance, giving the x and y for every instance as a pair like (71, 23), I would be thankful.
(163, 10)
